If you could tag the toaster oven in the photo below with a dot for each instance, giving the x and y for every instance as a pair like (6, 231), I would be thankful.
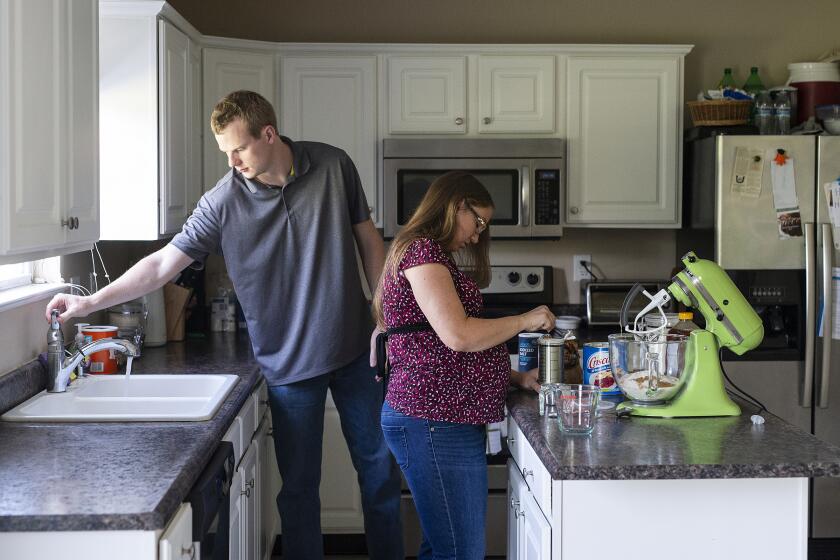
(604, 300)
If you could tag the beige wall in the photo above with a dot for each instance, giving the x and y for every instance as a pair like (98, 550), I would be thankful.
(768, 34)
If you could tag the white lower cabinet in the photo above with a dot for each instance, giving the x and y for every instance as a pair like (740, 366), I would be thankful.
(725, 519)
(176, 542)
(247, 539)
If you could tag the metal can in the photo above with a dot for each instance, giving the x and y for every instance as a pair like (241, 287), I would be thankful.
(528, 350)
(596, 368)
(550, 352)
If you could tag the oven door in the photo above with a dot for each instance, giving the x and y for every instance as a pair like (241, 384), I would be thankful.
(508, 181)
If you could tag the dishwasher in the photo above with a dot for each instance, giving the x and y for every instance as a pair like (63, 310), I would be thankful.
(210, 501)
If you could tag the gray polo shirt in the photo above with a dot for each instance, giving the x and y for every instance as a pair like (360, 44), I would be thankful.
(290, 253)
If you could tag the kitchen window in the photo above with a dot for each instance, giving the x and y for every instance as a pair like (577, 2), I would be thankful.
(24, 282)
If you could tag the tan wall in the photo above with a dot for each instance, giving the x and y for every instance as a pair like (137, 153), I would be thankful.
(768, 34)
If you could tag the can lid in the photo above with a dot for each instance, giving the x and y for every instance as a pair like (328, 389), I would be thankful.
(549, 340)
(686, 315)
(99, 328)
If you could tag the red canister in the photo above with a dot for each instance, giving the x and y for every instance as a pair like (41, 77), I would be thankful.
(104, 361)
(813, 94)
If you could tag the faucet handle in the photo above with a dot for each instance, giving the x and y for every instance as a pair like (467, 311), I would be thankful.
(54, 319)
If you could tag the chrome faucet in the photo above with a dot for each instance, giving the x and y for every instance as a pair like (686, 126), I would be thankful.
(59, 369)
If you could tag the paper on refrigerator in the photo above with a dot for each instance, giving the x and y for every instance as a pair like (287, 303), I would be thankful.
(832, 199)
(746, 173)
(835, 307)
(782, 177)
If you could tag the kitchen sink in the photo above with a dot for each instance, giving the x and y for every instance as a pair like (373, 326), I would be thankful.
(136, 398)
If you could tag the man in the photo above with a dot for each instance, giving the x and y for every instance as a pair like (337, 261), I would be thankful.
(285, 218)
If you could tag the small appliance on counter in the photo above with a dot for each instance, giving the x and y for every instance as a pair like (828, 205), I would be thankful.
(604, 299)
(672, 375)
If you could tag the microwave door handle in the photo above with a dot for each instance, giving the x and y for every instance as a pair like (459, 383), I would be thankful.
(810, 311)
(525, 197)
(828, 267)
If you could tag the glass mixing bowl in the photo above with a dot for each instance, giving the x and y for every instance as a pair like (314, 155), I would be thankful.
(650, 373)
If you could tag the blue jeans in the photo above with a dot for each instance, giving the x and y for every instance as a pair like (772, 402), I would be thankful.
(446, 469)
(297, 412)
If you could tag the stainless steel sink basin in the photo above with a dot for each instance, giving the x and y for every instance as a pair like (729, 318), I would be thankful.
(136, 398)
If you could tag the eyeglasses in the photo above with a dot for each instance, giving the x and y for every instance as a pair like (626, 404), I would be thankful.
(480, 223)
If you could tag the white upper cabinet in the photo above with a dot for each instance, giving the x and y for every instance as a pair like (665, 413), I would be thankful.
(49, 201)
(624, 140)
(516, 94)
(150, 134)
(333, 100)
(427, 95)
(227, 70)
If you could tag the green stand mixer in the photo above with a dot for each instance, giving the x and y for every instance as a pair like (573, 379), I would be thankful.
(672, 375)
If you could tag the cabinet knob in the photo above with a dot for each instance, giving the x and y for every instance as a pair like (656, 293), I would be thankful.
(459, 121)
(487, 120)
(70, 223)
(250, 483)
(514, 503)
(188, 552)
(511, 440)
(526, 473)
(246, 493)
(574, 210)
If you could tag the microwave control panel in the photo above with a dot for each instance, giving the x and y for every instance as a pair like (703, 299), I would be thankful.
(547, 198)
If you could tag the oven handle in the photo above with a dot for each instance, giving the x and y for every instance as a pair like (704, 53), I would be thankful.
(525, 196)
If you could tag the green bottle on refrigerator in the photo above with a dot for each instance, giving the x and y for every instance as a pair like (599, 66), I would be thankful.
(753, 84)
(728, 81)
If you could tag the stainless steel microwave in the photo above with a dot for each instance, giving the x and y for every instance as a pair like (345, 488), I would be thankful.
(525, 179)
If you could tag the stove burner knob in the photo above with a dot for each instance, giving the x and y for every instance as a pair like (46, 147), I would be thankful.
(533, 279)
(514, 277)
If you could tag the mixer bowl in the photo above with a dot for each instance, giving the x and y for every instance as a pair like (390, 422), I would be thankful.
(650, 373)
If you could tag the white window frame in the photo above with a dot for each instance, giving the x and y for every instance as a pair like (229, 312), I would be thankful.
(14, 275)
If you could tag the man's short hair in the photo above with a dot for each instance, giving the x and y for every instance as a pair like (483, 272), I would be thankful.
(250, 106)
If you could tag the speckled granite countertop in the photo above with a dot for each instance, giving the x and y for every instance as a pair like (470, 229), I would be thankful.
(116, 476)
(656, 448)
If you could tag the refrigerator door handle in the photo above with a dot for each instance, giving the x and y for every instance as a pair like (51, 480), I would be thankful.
(810, 310)
(828, 308)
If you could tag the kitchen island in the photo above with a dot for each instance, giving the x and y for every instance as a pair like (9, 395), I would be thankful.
(85, 490)
(688, 488)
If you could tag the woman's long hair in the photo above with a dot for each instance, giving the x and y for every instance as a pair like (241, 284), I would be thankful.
(436, 218)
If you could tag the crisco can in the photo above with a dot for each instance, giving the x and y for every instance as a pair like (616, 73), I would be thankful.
(596, 368)
(528, 350)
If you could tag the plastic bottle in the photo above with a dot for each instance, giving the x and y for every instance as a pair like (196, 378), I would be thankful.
(781, 108)
(764, 114)
(685, 324)
(753, 86)
(727, 81)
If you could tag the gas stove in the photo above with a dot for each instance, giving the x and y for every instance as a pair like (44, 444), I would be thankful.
(516, 289)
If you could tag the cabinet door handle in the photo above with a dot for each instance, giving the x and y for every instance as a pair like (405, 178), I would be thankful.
(487, 120)
(189, 552)
(574, 210)
(511, 440)
(459, 121)
(526, 473)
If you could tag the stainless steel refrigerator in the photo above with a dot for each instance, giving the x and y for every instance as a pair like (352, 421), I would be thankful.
(796, 372)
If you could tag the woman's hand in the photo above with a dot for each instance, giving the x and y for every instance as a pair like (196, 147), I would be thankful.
(376, 331)
(538, 319)
(525, 380)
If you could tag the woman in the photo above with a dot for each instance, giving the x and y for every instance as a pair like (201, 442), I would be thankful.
(448, 380)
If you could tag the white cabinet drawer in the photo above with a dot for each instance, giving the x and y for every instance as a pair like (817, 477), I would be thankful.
(234, 435)
(530, 467)
(249, 417)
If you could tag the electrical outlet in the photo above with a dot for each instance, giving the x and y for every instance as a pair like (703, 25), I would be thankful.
(580, 273)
